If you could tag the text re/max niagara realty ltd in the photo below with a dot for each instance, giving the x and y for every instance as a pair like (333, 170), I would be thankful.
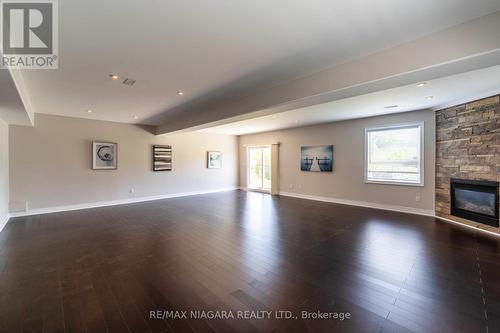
(247, 314)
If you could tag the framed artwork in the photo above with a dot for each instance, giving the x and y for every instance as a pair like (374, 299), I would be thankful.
(162, 158)
(104, 155)
(316, 158)
(214, 160)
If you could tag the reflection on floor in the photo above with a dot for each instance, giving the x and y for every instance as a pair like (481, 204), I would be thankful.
(106, 269)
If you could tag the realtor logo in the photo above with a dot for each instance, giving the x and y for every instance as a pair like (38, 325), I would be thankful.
(29, 34)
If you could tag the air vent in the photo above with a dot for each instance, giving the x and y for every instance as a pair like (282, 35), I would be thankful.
(129, 82)
(390, 106)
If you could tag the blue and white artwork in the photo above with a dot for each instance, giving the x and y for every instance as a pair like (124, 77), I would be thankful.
(316, 158)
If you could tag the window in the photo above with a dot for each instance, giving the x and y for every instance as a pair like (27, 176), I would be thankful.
(394, 155)
(259, 168)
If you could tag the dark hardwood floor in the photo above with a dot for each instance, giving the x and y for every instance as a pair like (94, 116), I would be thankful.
(106, 269)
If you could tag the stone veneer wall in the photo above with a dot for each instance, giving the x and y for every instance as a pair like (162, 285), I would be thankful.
(467, 147)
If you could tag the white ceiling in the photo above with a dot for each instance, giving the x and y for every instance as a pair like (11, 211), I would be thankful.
(446, 91)
(213, 48)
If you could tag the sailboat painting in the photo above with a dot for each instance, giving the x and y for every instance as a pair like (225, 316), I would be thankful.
(316, 158)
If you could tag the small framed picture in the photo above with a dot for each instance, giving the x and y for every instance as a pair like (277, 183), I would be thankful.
(214, 160)
(104, 155)
(162, 158)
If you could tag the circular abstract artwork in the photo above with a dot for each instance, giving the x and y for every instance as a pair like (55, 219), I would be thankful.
(104, 155)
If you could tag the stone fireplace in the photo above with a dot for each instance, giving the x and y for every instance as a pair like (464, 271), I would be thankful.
(467, 149)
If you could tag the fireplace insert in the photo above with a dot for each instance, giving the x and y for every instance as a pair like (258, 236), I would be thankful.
(475, 200)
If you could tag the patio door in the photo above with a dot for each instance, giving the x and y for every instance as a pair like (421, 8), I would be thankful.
(259, 168)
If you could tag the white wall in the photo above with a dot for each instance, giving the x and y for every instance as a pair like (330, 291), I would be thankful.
(346, 182)
(50, 164)
(4, 173)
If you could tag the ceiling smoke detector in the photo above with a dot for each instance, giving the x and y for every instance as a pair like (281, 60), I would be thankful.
(128, 82)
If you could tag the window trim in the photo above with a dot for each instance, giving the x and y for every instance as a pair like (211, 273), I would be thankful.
(422, 153)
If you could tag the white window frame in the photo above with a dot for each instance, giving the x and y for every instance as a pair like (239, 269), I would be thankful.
(419, 124)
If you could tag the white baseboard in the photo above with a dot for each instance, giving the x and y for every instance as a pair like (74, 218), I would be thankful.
(402, 209)
(468, 226)
(3, 221)
(89, 205)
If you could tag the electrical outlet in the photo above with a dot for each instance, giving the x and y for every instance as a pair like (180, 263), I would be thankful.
(417, 198)
(131, 191)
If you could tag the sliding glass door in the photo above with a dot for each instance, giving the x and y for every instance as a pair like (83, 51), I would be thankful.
(259, 168)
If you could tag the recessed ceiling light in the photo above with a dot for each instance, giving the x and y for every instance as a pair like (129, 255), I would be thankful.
(421, 84)
(114, 76)
(180, 93)
(429, 97)
(89, 111)
(391, 106)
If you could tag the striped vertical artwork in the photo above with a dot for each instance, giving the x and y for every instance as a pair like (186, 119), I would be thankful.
(162, 158)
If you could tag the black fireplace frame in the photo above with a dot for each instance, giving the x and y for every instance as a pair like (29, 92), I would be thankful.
(476, 185)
